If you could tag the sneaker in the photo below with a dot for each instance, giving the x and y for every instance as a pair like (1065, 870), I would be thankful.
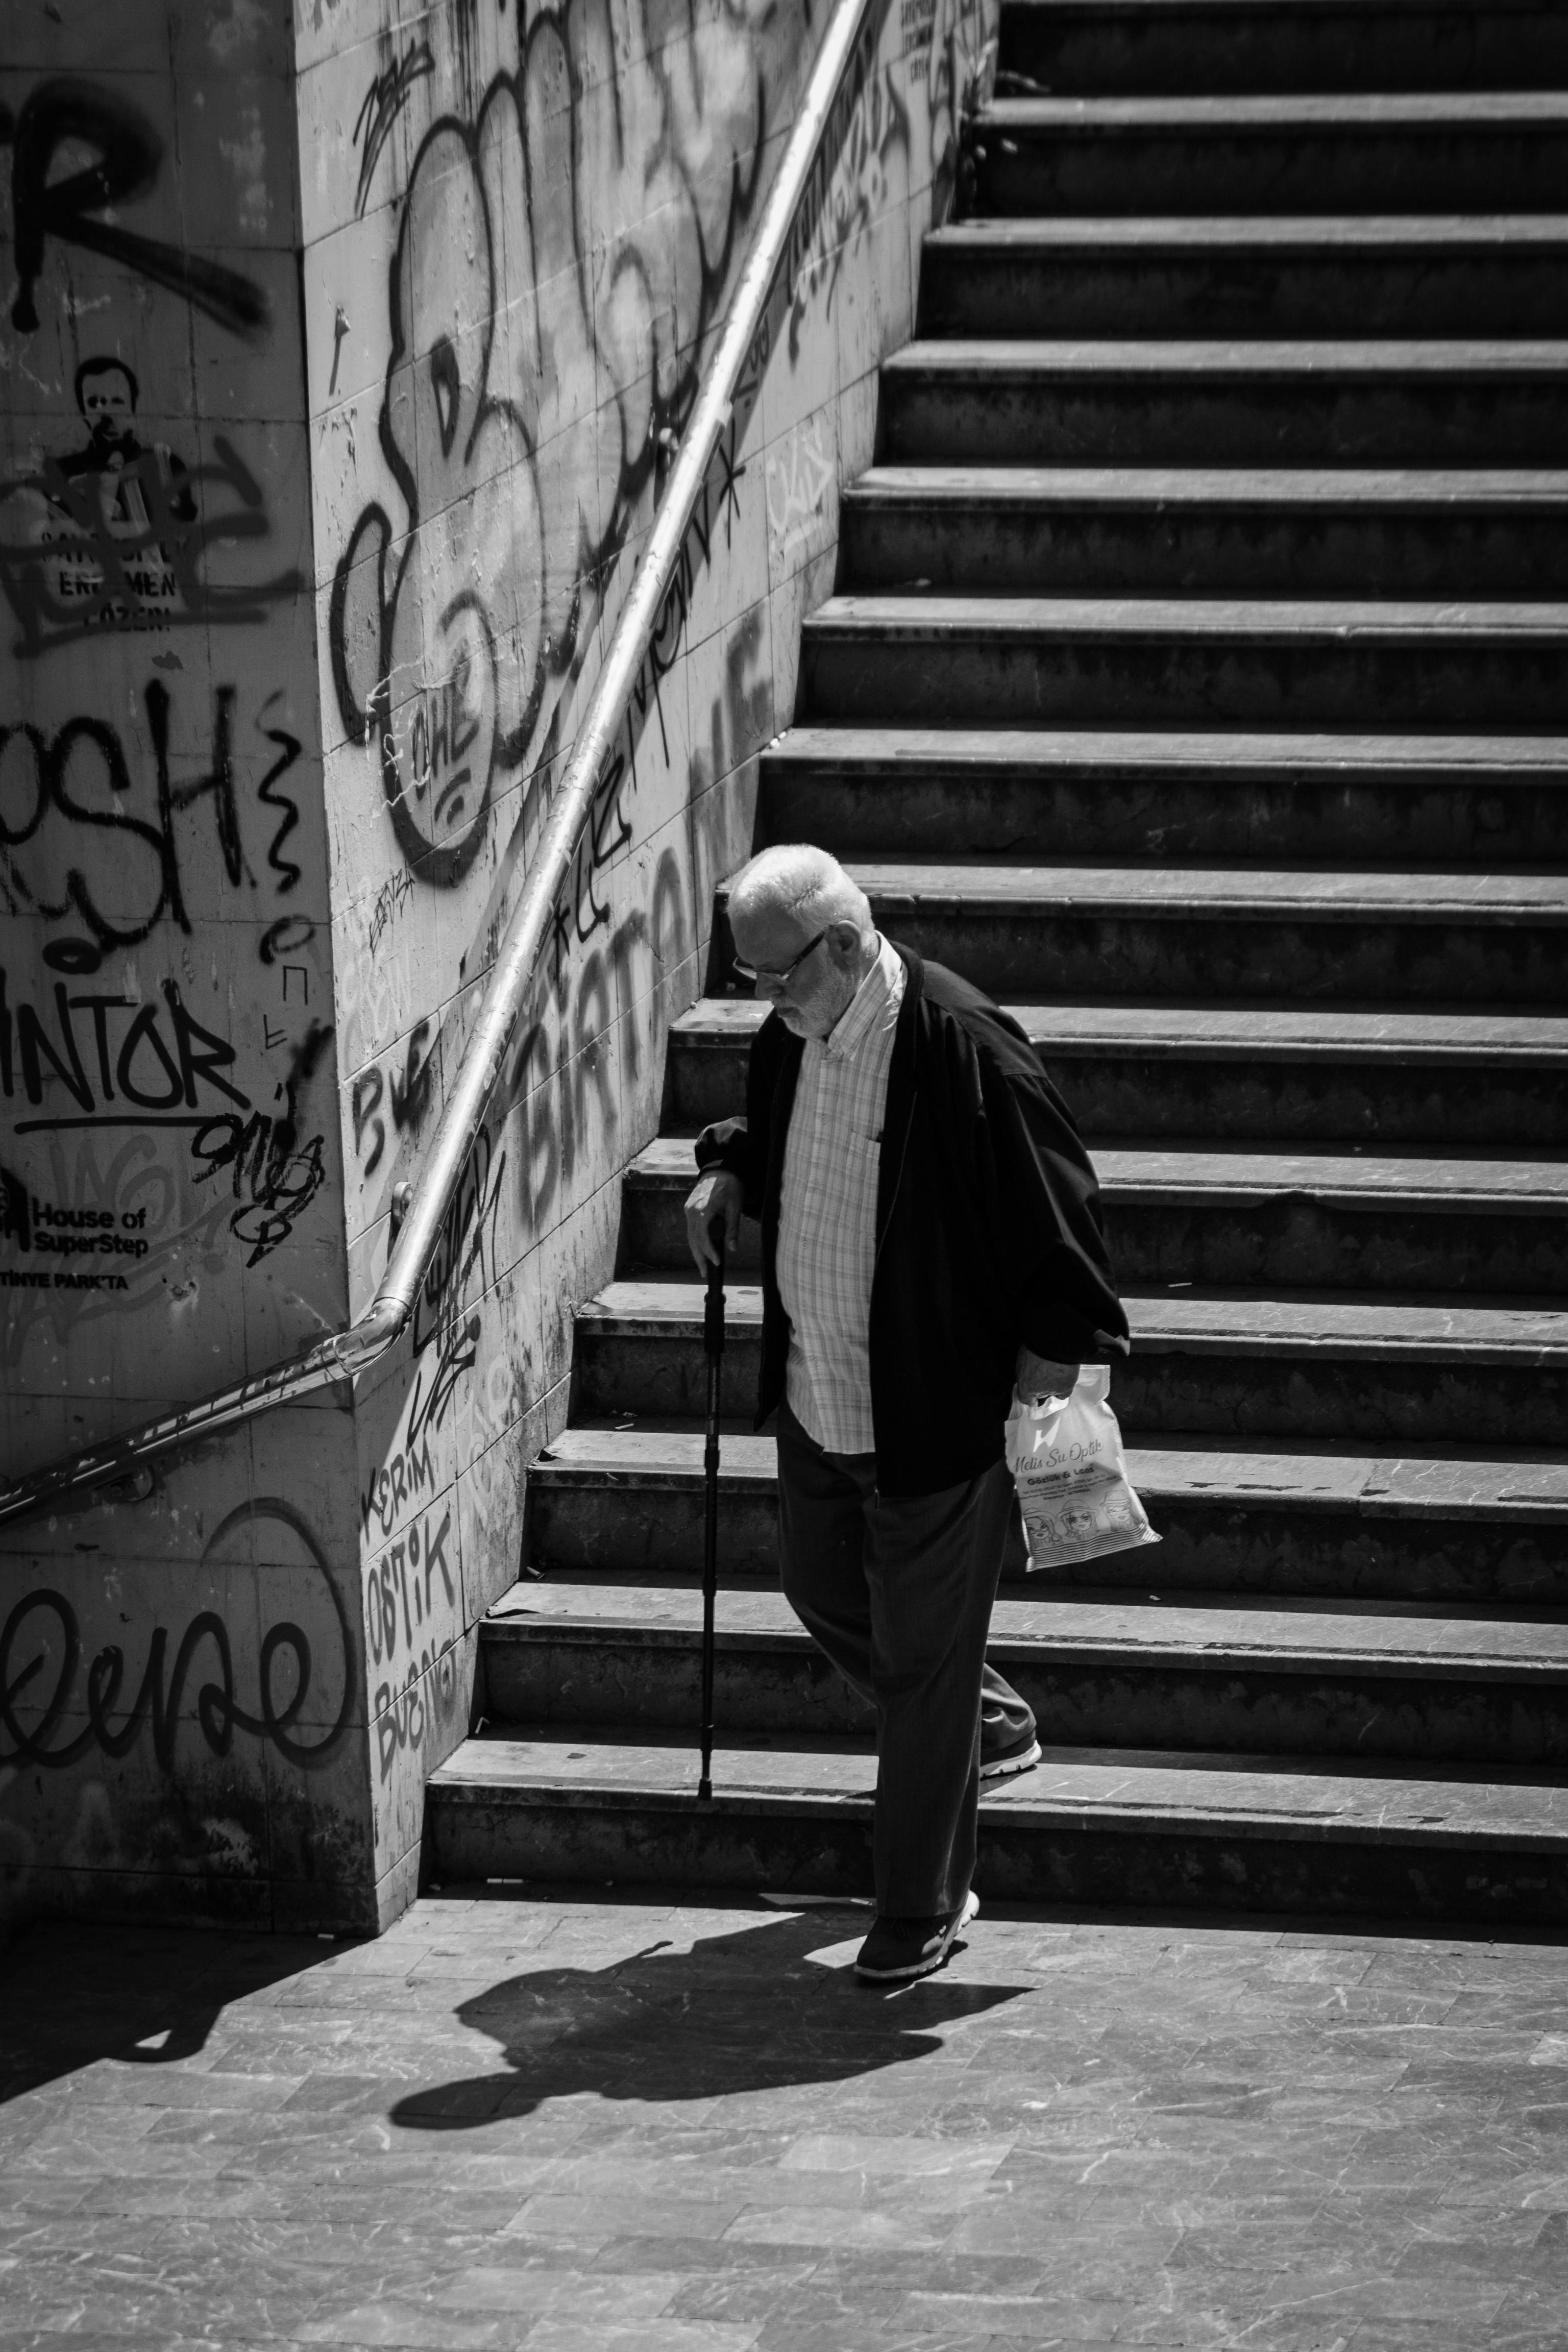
(1021, 1756)
(899, 1949)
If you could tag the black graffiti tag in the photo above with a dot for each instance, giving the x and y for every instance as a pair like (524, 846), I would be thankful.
(384, 101)
(409, 1095)
(274, 1173)
(445, 433)
(666, 146)
(56, 793)
(64, 112)
(467, 1242)
(288, 749)
(157, 1702)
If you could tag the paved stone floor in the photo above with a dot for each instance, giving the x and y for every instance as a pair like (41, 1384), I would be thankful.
(581, 2122)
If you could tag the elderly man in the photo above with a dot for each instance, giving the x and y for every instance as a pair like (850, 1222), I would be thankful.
(931, 1234)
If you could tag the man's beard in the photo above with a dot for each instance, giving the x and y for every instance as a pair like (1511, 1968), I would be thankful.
(820, 1015)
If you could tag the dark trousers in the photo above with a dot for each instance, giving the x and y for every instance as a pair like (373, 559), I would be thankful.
(897, 1591)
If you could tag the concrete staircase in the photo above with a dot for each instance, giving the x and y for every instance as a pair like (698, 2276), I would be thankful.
(1199, 686)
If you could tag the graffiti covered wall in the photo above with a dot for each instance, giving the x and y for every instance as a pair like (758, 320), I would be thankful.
(522, 225)
(343, 363)
(178, 1676)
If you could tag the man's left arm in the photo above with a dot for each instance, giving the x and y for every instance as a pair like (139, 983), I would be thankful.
(1044, 1206)
(1039, 1377)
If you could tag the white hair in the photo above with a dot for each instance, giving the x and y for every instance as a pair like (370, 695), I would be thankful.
(800, 880)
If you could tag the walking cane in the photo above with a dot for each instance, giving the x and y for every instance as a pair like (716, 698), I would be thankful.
(713, 1347)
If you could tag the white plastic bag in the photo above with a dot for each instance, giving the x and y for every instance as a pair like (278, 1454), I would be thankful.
(1067, 1460)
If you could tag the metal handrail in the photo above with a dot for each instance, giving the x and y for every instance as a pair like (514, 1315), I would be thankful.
(345, 1353)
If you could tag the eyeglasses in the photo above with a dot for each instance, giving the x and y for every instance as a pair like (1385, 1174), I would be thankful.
(771, 978)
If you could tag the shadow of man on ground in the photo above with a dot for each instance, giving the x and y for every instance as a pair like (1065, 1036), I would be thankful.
(767, 2005)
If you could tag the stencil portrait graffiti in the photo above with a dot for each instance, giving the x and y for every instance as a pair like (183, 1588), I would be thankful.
(111, 468)
(117, 533)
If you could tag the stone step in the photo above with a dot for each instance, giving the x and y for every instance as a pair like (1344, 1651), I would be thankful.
(1026, 661)
(1275, 1526)
(1100, 1672)
(1398, 274)
(1161, 47)
(1172, 1072)
(1100, 792)
(1388, 1371)
(1470, 151)
(1251, 1219)
(1013, 531)
(1175, 934)
(1230, 402)
(1132, 1830)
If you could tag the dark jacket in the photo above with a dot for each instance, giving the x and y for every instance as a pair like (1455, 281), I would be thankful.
(988, 1232)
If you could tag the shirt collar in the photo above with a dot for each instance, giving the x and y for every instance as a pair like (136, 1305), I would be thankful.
(870, 1007)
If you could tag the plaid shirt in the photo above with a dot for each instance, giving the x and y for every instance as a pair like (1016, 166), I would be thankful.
(827, 1216)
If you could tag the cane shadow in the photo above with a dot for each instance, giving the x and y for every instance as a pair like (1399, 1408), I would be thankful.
(760, 2009)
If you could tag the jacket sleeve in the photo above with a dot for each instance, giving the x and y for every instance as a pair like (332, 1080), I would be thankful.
(1043, 1205)
(740, 1145)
